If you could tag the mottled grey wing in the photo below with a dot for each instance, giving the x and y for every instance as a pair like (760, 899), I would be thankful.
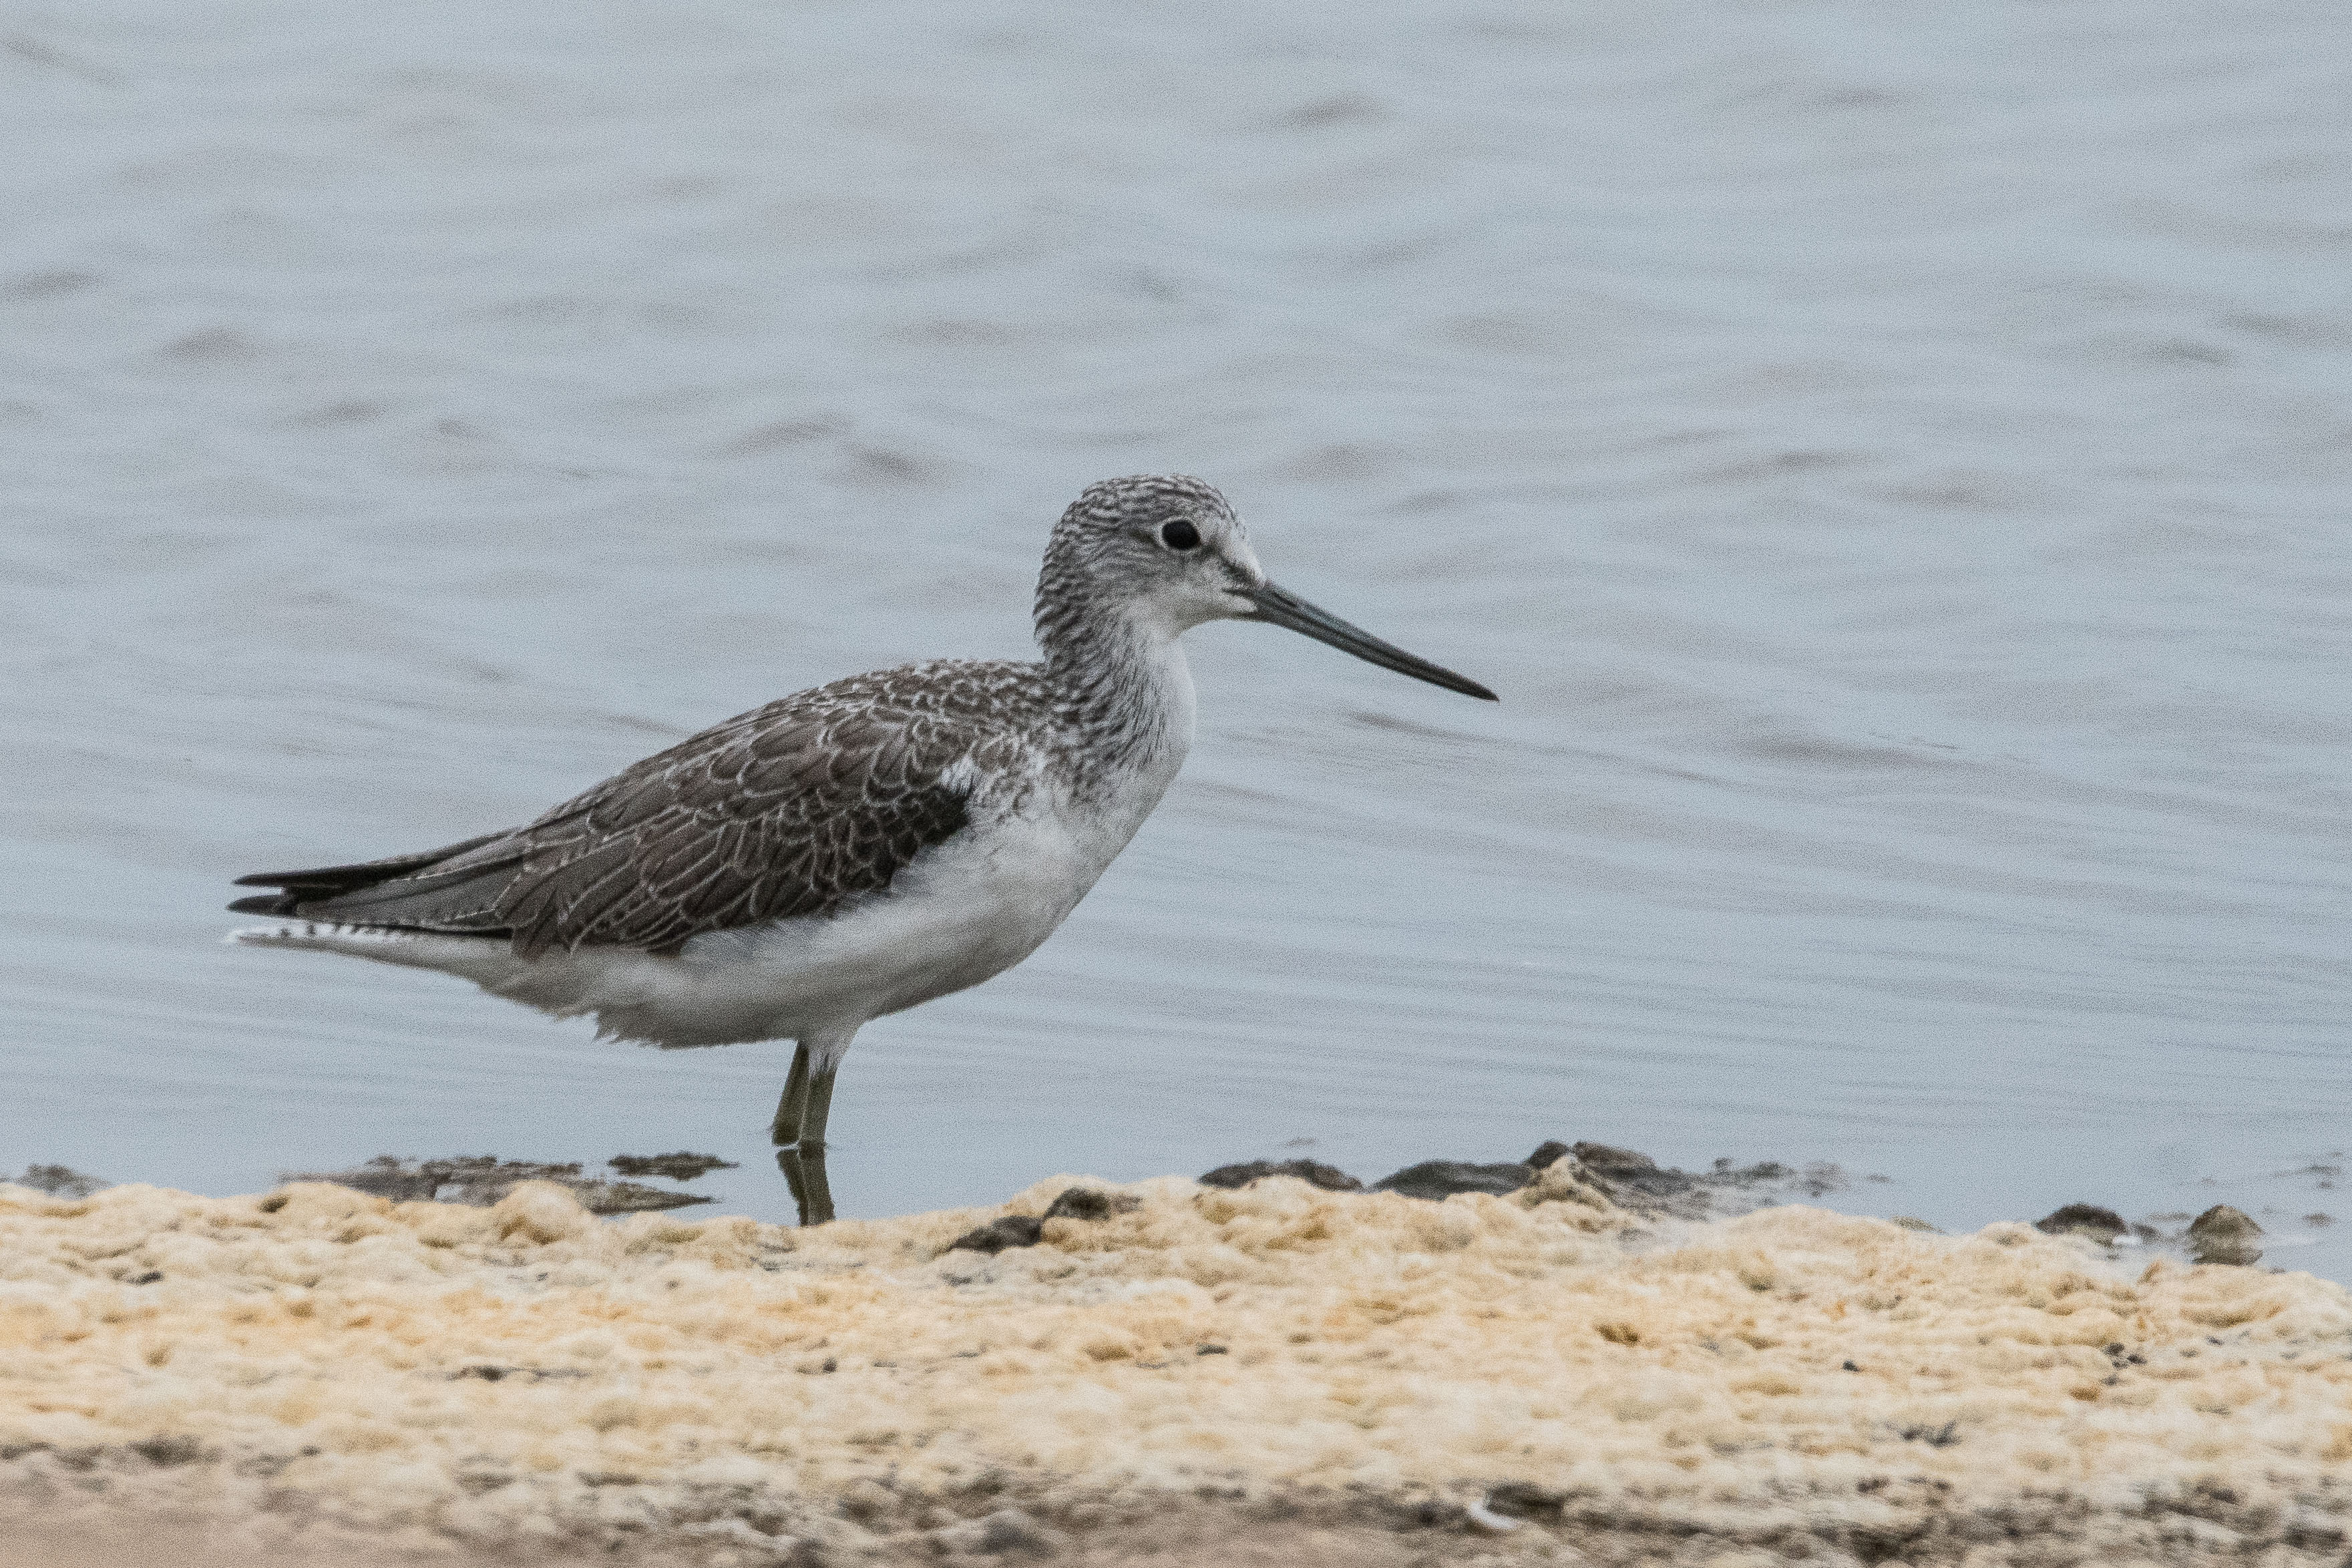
(789, 810)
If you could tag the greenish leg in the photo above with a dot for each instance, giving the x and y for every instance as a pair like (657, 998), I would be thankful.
(819, 1107)
(807, 1103)
(793, 1106)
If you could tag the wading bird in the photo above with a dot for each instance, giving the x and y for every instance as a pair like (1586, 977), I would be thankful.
(851, 850)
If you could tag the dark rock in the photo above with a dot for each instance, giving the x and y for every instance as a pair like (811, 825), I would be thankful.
(2224, 1235)
(170, 1450)
(631, 1197)
(678, 1167)
(1013, 1230)
(1624, 1175)
(1330, 1178)
(1443, 1178)
(481, 1180)
(60, 1180)
(1637, 1182)
(1087, 1203)
(2100, 1225)
(1603, 1160)
(2224, 1223)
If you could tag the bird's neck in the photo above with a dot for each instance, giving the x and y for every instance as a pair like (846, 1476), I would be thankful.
(1123, 688)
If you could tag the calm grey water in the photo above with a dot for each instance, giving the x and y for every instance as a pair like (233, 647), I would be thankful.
(1891, 459)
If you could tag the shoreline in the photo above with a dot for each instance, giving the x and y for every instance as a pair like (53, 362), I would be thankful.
(1201, 1373)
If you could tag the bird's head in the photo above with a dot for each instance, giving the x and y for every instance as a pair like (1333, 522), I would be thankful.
(1164, 550)
(1163, 553)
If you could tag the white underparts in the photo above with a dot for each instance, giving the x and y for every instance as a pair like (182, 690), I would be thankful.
(959, 912)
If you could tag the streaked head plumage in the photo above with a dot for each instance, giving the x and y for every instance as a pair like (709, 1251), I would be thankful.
(1159, 554)
(1165, 548)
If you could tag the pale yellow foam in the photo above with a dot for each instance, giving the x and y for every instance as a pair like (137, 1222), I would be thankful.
(318, 1354)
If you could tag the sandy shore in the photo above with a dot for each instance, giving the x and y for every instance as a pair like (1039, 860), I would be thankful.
(1278, 1374)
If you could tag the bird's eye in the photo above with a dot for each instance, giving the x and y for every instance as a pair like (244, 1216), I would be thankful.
(1181, 536)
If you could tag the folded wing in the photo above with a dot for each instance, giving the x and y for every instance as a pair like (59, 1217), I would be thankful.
(792, 809)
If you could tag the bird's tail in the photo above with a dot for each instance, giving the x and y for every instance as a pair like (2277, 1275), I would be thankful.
(487, 962)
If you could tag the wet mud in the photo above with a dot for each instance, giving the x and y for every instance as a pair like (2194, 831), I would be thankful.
(482, 1180)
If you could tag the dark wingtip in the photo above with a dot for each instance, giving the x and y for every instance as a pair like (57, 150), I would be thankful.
(264, 904)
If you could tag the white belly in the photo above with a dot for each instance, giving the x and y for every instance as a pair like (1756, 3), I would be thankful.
(952, 919)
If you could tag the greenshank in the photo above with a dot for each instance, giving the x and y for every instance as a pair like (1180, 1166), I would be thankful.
(851, 850)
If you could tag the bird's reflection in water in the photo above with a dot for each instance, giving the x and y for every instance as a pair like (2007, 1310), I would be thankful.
(805, 1173)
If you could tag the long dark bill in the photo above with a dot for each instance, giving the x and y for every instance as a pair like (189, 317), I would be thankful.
(1284, 608)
